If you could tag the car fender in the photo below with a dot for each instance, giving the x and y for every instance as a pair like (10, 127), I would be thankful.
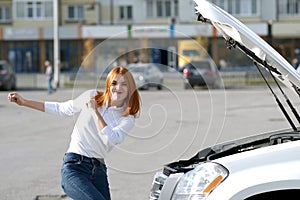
(258, 171)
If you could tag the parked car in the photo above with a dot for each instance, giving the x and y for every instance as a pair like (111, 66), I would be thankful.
(8, 80)
(146, 75)
(201, 73)
(164, 68)
(259, 167)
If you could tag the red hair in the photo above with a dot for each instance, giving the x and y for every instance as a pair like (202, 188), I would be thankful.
(133, 99)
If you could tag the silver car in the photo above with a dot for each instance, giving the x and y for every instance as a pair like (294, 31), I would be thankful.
(8, 79)
(262, 166)
(146, 75)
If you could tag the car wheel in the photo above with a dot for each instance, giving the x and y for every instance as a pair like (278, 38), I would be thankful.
(159, 86)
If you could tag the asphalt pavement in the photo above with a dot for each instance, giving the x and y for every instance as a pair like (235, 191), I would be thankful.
(174, 124)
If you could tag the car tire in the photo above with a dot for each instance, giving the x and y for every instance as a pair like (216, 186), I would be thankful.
(159, 87)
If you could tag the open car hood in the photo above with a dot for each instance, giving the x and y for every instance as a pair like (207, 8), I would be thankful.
(238, 35)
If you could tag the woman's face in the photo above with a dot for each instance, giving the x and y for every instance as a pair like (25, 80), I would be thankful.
(118, 91)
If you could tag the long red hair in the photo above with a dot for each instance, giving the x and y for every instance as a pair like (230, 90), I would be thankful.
(133, 99)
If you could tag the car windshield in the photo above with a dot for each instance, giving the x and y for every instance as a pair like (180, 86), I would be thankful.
(2, 67)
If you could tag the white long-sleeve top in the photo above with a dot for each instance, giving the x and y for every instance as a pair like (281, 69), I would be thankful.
(86, 138)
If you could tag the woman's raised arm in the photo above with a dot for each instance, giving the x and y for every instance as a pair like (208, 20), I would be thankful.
(18, 99)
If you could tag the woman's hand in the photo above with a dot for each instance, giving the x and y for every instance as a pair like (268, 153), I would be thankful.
(15, 97)
(18, 99)
(92, 105)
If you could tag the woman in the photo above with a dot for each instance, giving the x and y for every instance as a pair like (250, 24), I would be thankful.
(105, 119)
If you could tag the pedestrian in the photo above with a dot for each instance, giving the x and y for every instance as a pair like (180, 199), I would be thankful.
(105, 118)
(49, 75)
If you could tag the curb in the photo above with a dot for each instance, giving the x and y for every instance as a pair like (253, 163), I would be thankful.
(52, 197)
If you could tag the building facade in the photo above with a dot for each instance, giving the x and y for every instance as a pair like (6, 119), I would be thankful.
(149, 28)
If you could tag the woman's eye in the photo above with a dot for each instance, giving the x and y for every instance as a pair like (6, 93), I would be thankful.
(114, 83)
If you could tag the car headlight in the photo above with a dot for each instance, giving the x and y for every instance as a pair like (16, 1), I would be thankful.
(199, 182)
(141, 78)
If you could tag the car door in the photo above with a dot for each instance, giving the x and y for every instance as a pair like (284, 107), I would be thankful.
(157, 74)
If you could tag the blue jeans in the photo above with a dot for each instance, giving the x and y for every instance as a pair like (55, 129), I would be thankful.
(84, 178)
(50, 88)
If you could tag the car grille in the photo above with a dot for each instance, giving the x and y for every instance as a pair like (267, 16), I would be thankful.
(159, 181)
(157, 185)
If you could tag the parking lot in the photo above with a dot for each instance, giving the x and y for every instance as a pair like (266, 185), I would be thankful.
(174, 124)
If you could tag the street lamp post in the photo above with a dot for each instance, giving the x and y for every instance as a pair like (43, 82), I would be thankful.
(56, 48)
(111, 12)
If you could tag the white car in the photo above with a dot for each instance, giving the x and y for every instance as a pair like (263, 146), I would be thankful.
(265, 166)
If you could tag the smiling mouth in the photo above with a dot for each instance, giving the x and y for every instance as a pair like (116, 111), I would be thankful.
(118, 93)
